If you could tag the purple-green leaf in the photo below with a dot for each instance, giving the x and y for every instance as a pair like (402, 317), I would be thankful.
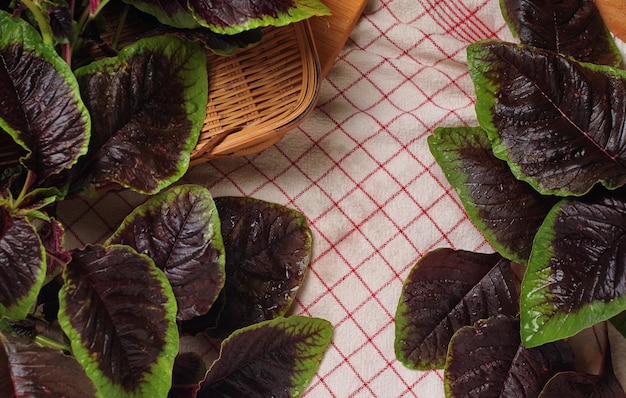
(446, 290)
(582, 385)
(22, 264)
(231, 16)
(148, 106)
(576, 273)
(119, 312)
(30, 370)
(40, 103)
(180, 230)
(488, 360)
(268, 249)
(508, 211)
(558, 123)
(572, 27)
(275, 358)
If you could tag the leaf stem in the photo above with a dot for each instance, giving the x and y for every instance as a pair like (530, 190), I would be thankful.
(42, 21)
(120, 26)
(51, 343)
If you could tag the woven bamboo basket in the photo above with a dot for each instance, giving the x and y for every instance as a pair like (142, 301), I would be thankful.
(258, 94)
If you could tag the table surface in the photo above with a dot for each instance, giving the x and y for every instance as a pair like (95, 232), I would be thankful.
(360, 170)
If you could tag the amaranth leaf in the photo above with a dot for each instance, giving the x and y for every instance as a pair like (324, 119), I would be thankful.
(576, 273)
(148, 106)
(508, 211)
(275, 358)
(268, 249)
(572, 27)
(558, 123)
(446, 290)
(30, 370)
(488, 360)
(40, 103)
(22, 264)
(119, 312)
(234, 16)
(583, 385)
(180, 230)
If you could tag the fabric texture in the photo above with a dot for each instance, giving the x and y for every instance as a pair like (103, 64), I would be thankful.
(360, 170)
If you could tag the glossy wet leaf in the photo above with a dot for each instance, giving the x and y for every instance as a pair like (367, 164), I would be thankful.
(148, 106)
(119, 313)
(231, 16)
(583, 385)
(446, 290)
(575, 275)
(22, 264)
(487, 359)
(572, 27)
(268, 249)
(180, 230)
(507, 211)
(30, 370)
(557, 123)
(275, 358)
(40, 103)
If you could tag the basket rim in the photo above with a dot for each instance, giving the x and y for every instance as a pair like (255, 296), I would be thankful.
(269, 126)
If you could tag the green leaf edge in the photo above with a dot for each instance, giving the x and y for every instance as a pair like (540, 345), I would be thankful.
(451, 165)
(181, 20)
(301, 379)
(23, 305)
(18, 31)
(402, 322)
(163, 198)
(485, 99)
(158, 381)
(303, 9)
(194, 78)
(539, 322)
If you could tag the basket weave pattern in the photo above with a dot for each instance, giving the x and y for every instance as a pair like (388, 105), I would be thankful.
(258, 94)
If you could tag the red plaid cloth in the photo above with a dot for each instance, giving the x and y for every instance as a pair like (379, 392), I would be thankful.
(360, 170)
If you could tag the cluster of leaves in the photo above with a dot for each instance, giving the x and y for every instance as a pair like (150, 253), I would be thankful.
(234, 264)
(542, 177)
(105, 319)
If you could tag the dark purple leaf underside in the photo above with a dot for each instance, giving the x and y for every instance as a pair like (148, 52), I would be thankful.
(120, 319)
(487, 359)
(558, 123)
(508, 211)
(275, 358)
(180, 230)
(148, 106)
(22, 265)
(268, 249)
(581, 385)
(189, 370)
(576, 273)
(30, 370)
(40, 105)
(446, 290)
(571, 27)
